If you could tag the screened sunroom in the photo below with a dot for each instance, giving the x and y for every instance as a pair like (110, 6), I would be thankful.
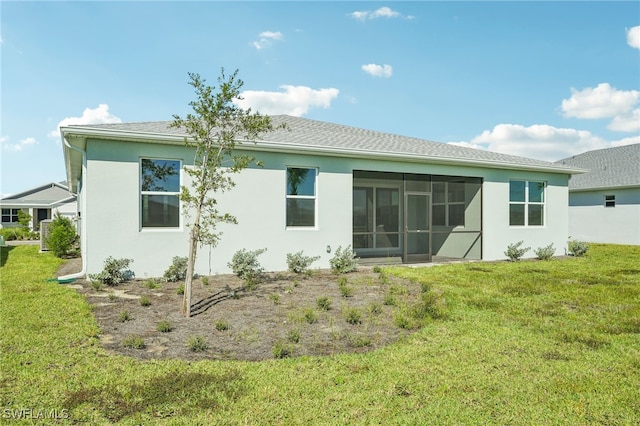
(416, 217)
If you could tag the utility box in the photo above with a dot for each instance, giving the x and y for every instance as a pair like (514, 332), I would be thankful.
(44, 233)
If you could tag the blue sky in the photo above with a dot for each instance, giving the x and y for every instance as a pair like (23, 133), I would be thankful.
(544, 80)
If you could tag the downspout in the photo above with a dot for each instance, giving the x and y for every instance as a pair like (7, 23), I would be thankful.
(83, 211)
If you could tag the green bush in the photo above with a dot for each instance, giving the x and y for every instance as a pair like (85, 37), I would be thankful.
(323, 303)
(222, 325)
(545, 253)
(134, 342)
(578, 248)
(144, 300)
(352, 316)
(12, 234)
(344, 260)
(345, 289)
(164, 326)
(177, 271)
(246, 266)
(514, 252)
(281, 350)
(310, 316)
(293, 335)
(62, 238)
(115, 271)
(298, 263)
(180, 289)
(124, 316)
(197, 344)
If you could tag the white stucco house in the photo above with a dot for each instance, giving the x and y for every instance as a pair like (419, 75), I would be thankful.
(322, 185)
(604, 202)
(41, 202)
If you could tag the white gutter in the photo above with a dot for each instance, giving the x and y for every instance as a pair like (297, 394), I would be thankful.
(83, 210)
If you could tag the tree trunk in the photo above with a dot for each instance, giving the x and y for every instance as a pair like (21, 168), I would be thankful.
(191, 261)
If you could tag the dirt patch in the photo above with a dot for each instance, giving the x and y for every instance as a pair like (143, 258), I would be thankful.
(238, 323)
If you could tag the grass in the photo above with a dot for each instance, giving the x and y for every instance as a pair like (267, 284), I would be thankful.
(553, 342)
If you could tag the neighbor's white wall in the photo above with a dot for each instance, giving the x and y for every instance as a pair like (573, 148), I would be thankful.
(590, 220)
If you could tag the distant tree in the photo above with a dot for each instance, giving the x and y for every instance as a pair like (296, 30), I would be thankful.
(62, 237)
(24, 218)
(215, 127)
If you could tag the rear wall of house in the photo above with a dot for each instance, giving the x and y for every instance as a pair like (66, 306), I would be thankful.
(112, 213)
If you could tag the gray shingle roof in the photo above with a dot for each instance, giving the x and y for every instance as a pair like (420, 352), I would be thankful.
(608, 168)
(320, 135)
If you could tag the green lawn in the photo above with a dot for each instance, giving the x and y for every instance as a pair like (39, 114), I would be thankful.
(554, 342)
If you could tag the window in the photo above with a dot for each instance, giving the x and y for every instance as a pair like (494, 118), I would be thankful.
(448, 203)
(609, 201)
(10, 215)
(526, 203)
(160, 193)
(301, 197)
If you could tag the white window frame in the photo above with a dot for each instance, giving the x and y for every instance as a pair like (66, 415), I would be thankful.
(313, 197)
(609, 200)
(173, 193)
(527, 203)
(13, 215)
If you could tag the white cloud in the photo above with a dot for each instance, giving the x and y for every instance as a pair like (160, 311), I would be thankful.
(539, 141)
(4, 140)
(626, 141)
(99, 115)
(266, 39)
(293, 100)
(629, 122)
(633, 37)
(378, 70)
(603, 101)
(383, 12)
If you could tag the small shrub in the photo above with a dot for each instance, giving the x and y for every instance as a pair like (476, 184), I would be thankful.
(298, 263)
(359, 341)
(344, 260)
(293, 335)
(345, 289)
(389, 299)
(281, 350)
(352, 315)
(545, 253)
(222, 325)
(177, 271)
(144, 300)
(164, 326)
(377, 269)
(578, 248)
(112, 297)
(133, 342)
(275, 298)
(514, 252)
(180, 289)
(402, 321)
(425, 287)
(310, 316)
(97, 285)
(115, 271)
(246, 266)
(197, 344)
(375, 308)
(124, 316)
(205, 280)
(62, 238)
(151, 283)
(323, 303)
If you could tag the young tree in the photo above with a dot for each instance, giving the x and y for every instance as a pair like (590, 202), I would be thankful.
(215, 127)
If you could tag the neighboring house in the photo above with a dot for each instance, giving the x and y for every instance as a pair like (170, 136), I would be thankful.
(321, 186)
(604, 203)
(40, 203)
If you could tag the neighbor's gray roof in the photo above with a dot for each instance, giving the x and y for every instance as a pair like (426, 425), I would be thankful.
(41, 196)
(312, 134)
(608, 168)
